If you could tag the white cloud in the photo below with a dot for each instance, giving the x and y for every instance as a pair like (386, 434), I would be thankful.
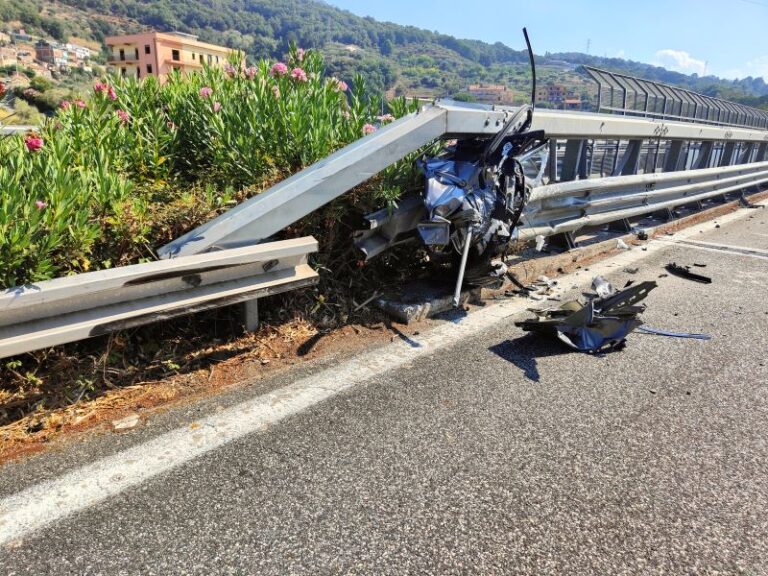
(679, 61)
(755, 68)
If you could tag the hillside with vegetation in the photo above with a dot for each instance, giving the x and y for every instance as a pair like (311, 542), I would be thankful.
(394, 58)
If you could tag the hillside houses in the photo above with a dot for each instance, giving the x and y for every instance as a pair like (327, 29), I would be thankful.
(17, 48)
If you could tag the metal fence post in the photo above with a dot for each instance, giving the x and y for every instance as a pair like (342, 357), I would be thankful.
(251, 314)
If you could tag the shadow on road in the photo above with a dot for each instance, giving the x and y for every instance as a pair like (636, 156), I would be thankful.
(524, 352)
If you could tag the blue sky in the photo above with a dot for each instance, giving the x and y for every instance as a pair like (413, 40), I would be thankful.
(728, 38)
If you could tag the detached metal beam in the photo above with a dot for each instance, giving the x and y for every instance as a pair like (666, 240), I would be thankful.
(266, 214)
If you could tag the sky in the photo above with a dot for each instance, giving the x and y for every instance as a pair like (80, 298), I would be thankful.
(727, 38)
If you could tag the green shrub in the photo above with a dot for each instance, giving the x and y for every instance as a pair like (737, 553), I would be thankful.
(107, 181)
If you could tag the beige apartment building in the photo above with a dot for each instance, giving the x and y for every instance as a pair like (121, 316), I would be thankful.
(158, 53)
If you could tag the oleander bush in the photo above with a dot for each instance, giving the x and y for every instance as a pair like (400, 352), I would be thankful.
(104, 182)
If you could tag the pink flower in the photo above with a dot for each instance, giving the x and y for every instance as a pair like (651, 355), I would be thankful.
(33, 143)
(339, 85)
(171, 125)
(385, 118)
(206, 91)
(111, 93)
(41, 205)
(250, 72)
(299, 74)
(300, 54)
(276, 91)
(64, 104)
(80, 103)
(279, 69)
(230, 70)
(216, 106)
(368, 129)
(124, 116)
(99, 87)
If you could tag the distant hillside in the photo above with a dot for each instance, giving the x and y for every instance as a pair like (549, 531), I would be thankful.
(403, 59)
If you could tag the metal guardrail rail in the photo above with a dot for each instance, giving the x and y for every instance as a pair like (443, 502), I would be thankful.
(573, 136)
(95, 303)
(600, 168)
(569, 206)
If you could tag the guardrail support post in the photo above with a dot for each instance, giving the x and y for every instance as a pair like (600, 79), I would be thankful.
(664, 215)
(672, 161)
(747, 152)
(727, 157)
(552, 161)
(251, 314)
(627, 166)
(565, 241)
(705, 153)
(761, 152)
(621, 225)
(575, 160)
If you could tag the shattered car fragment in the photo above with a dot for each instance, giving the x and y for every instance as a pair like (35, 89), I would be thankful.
(682, 272)
(476, 189)
(600, 325)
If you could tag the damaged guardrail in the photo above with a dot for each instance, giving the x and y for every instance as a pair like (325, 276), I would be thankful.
(569, 206)
(95, 303)
(572, 137)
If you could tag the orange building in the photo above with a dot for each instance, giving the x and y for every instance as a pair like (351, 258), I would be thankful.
(158, 53)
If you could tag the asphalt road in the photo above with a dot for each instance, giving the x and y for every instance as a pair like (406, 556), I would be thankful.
(503, 453)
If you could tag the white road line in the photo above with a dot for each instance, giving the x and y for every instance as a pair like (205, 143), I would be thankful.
(720, 248)
(47, 502)
(729, 246)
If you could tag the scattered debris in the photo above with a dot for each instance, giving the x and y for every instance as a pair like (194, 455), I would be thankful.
(631, 270)
(602, 287)
(126, 423)
(642, 234)
(545, 281)
(540, 241)
(658, 332)
(600, 325)
(698, 265)
(621, 244)
(676, 270)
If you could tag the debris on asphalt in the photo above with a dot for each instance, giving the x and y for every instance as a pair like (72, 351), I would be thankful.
(621, 244)
(698, 265)
(602, 287)
(684, 272)
(545, 281)
(631, 270)
(600, 325)
(126, 423)
(658, 332)
(642, 234)
(540, 241)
